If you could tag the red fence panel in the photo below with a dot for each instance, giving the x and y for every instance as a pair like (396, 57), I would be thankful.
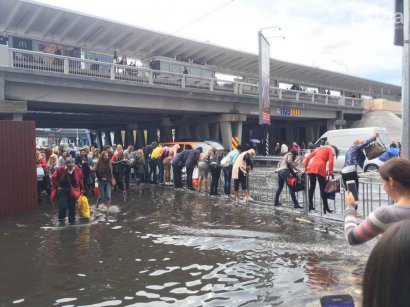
(18, 178)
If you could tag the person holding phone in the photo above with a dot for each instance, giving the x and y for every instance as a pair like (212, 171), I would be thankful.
(395, 175)
(386, 277)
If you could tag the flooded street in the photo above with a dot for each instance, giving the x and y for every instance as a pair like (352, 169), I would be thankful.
(176, 247)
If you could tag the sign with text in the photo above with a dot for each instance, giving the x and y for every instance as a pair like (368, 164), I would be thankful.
(288, 111)
(264, 74)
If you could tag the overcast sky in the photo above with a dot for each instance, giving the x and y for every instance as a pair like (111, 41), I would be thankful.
(349, 36)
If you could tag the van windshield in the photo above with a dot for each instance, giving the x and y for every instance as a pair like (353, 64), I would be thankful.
(321, 142)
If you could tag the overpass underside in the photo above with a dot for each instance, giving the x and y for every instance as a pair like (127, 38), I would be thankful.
(65, 101)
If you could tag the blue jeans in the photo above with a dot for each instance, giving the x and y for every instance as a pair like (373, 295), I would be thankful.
(65, 202)
(282, 176)
(160, 170)
(227, 179)
(105, 191)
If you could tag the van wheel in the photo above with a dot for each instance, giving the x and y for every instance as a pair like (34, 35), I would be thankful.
(371, 168)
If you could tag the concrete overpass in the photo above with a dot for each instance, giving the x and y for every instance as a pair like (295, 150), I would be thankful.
(70, 95)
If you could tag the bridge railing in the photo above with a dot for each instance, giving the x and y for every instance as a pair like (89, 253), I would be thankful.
(32, 60)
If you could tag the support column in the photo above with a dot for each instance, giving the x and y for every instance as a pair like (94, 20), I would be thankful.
(108, 138)
(117, 137)
(204, 130)
(140, 139)
(226, 130)
(289, 134)
(237, 130)
(166, 134)
(152, 135)
(2, 87)
(310, 134)
(99, 140)
(129, 139)
(330, 124)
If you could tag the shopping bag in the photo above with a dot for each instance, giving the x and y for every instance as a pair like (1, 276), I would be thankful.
(374, 150)
(96, 190)
(332, 186)
(83, 207)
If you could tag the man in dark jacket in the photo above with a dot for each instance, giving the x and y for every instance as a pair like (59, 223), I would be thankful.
(177, 166)
(190, 163)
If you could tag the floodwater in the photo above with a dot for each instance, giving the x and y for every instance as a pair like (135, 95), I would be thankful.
(174, 247)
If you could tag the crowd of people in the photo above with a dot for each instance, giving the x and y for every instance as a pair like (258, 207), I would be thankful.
(114, 168)
(65, 171)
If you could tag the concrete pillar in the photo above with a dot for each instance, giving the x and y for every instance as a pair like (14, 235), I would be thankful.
(166, 134)
(330, 124)
(237, 130)
(117, 137)
(196, 132)
(129, 139)
(99, 140)
(310, 134)
(108, 138)
(226, 130)
(152, 135)
(2, 87)
(203, 130)
(140, 139)
(184, 132)
(289, 133)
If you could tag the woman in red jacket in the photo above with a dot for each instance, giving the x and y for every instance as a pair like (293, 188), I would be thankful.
(62, 179)
(317, 170)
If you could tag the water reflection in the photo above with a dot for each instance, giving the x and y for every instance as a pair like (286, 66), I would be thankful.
(167, 246)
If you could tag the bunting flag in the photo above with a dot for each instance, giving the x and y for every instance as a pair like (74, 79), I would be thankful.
(123, 137)
(146, 136)
(112, 137)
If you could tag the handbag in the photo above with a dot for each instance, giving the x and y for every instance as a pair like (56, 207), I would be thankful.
(296, 182)
(332, 185)
(225, 161)
(375, 149)
(75, 192)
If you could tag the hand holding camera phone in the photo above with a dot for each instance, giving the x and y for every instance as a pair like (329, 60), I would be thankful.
(343, 300)
(352, 188)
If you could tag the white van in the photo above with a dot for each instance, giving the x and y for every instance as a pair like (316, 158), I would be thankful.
(344, 138)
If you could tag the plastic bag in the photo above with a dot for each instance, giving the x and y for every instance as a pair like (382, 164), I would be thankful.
(83, 207)
(96, 190)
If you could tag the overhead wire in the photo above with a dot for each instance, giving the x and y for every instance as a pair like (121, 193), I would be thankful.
(159, 36)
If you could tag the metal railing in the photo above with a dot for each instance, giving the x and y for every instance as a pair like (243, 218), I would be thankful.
(39, 61)
(263, 185)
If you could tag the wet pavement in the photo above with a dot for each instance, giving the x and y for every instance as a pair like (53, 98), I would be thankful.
(168, 246)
